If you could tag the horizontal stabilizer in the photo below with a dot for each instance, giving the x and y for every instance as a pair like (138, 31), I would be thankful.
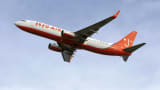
(133, 48)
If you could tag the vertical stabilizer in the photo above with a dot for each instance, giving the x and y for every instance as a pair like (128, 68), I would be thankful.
(127, 41)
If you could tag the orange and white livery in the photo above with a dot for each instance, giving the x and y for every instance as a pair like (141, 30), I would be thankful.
(68, 42)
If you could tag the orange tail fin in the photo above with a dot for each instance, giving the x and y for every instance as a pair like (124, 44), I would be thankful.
(127, 41)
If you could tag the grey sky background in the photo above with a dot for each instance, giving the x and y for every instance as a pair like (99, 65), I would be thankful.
(27, 64)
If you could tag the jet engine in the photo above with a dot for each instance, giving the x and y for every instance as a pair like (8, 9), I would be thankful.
(54, 47)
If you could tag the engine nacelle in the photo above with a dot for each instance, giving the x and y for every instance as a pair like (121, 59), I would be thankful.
(54, 47)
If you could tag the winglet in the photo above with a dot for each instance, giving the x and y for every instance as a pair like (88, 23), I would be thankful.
(116, 14)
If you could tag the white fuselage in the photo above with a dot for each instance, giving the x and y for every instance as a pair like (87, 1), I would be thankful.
(57, 32)
(54, 33)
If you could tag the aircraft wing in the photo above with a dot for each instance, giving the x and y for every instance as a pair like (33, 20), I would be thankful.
(67, 55)
(67, 51)
(90, 30)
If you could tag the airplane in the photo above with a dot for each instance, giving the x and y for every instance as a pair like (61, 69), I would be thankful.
(68, 42)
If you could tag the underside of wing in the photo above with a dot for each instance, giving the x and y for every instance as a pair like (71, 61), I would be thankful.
(67, 51)
(67, 55)
(90, 30)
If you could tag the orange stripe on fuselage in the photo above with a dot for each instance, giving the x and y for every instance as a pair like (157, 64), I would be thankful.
(108, 51)
(41, 33)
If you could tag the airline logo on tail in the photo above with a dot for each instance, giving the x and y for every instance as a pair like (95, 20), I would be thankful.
(127, 41)
(125, 44)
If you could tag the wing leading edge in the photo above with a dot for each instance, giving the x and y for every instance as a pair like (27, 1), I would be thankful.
(90, 30)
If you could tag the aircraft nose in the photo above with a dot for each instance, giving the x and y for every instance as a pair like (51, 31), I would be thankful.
(18, 23)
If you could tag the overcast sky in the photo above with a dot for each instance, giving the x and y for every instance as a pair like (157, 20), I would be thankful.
(27, 64)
